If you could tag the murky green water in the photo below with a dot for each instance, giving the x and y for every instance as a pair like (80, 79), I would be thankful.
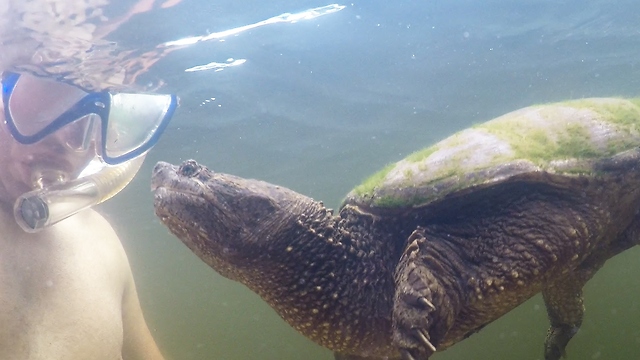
(197, 314)
(320, 104)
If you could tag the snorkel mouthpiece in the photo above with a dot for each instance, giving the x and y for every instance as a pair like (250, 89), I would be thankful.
(44, 207)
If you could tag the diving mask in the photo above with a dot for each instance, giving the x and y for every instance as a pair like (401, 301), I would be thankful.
(123, 125)
(120, 127)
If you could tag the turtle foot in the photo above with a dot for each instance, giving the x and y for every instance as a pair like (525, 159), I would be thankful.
(413, 309)
(557, 339)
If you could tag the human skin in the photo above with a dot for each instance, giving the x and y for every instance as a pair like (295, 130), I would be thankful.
(66, 292)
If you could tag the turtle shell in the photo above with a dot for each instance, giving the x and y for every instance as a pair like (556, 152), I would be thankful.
(568, 139)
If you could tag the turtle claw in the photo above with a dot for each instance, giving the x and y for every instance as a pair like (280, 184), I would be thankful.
(417, 302)
(423, 336)
(426, 303)
(406, 355)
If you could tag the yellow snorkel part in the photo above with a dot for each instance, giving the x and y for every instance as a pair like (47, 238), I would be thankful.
(44, 207)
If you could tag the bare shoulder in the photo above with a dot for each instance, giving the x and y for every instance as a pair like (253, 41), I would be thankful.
(90, 224)
(47, 281)
(137, 340)
(85, 241)
(90, 236)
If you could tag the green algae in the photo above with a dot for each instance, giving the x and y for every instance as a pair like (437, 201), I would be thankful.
(532, 135)
(624, 112)
(574, 143)
(420, 155)
(373, 181)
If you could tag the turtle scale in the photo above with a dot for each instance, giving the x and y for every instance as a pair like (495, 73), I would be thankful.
(523, 142)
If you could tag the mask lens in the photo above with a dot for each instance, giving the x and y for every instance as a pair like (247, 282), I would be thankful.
(35, 103)
(133, 120)
(80, 134)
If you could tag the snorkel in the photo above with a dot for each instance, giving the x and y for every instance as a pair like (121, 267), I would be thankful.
(43, 207)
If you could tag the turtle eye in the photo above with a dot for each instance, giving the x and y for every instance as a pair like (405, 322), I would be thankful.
(189, 168)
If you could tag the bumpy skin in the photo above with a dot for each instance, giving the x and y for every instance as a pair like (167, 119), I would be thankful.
(407, 281)
(328, 276)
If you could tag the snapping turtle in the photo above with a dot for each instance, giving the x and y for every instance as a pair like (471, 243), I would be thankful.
(432, 248)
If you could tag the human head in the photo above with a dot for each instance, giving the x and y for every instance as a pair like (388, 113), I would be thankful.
(19, 162)
(51, 131)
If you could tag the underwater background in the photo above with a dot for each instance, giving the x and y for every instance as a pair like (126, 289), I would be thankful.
(321, 98)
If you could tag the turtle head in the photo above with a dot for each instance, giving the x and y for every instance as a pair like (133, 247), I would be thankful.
(229, 222)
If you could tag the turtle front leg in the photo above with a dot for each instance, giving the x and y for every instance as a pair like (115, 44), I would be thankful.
(422, 311)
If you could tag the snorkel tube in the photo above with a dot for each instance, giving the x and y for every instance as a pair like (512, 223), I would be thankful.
(44, 207)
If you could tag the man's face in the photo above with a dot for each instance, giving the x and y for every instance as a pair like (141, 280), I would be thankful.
(20, 163)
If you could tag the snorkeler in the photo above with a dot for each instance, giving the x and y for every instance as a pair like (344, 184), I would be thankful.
(66, 287)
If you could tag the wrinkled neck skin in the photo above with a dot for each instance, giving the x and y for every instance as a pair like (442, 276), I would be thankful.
(329, 277)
